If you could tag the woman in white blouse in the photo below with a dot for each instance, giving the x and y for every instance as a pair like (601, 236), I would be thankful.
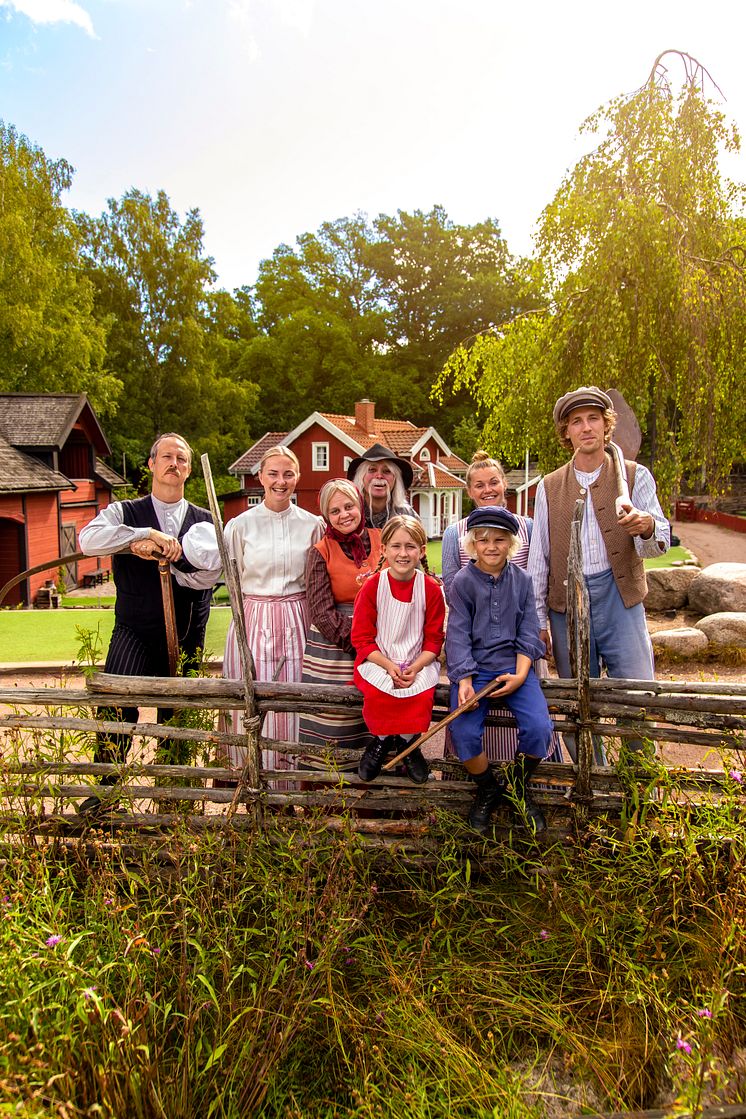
(270, 543)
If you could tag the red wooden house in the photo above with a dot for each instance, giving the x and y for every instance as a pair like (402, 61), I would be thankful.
(326, 443)
(52, 482)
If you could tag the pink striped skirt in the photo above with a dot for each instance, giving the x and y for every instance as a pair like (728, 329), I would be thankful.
(276, 630)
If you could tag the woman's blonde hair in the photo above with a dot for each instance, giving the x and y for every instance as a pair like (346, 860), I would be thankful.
(480, 460)
(338, 485)
(279, 449)
(481, 534)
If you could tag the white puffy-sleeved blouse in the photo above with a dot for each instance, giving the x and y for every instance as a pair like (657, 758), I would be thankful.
(270, 548)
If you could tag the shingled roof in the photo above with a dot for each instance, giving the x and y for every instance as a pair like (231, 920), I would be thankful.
(254, 454)
(46, 419)
(20, 473)
(108, 475)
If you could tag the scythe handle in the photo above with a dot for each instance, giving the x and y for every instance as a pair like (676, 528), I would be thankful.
(169, 614)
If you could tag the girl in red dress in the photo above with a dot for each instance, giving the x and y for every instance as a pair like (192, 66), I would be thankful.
(397, 631)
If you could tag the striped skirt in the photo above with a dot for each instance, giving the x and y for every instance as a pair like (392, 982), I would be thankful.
(325, 663)
(276, 632)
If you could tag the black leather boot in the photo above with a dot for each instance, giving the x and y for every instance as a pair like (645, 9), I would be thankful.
(489, 794)
(520, 772)
(371, 762)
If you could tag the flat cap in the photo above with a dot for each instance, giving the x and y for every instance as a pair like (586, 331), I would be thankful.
(493, 516)
(589, 396)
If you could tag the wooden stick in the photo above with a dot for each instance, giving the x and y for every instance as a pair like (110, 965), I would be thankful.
(169, 615)
(252, 764)
(481, 694)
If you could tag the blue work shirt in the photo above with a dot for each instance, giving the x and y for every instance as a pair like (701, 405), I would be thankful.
(490, 621)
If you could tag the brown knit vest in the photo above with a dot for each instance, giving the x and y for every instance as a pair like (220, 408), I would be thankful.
(562, 491)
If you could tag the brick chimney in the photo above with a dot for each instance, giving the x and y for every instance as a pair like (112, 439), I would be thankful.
(365, 415)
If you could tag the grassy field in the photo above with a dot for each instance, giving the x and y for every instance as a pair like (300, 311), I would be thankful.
(51, 635)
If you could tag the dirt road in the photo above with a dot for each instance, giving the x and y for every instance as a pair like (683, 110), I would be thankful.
(711, 543)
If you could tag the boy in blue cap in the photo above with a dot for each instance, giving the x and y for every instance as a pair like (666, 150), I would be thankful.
(493, 634)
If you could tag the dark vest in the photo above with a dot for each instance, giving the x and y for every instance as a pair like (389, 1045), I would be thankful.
(139, 602)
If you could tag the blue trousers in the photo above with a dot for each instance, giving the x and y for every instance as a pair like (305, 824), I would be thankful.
(527, 705)
(619, 638)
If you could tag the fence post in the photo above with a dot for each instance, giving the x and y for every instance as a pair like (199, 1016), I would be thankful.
(579, 640)
(252, 722)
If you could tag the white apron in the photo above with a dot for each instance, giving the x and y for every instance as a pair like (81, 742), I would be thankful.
(400, 633)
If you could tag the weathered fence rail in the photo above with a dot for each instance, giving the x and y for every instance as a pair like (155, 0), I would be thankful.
(46, 730)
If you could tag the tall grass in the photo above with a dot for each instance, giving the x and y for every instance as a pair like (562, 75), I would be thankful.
(290, 974)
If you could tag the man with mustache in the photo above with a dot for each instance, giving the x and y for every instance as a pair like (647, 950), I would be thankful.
(135, 534)
(613, 545)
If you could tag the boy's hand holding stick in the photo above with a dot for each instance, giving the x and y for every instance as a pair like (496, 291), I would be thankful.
(494, 685)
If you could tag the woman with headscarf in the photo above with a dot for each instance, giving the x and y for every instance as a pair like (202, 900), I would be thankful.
(336, 567)
(384, 480)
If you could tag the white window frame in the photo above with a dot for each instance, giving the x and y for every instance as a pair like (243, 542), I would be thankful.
(424, 455)
(346, 463)
(316, 450)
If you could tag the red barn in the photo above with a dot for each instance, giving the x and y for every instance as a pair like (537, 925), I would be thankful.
(52, 482)
(326, 443)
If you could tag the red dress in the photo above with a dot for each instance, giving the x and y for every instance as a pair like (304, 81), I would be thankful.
(397, 711)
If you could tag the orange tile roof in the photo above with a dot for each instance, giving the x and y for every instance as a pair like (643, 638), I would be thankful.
(398, 435)
(452, 462)
(251, 457)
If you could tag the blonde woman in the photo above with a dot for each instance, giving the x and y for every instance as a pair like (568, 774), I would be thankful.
(336, 568)
(270, 544)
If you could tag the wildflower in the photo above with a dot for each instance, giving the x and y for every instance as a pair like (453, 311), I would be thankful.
(309, 965)
(108, 901)
(156, 951)
(89, 992)
(543, 934)
(52, 941)
(736, 775)
(704, 1013)
(350, 960)
(684, 1046)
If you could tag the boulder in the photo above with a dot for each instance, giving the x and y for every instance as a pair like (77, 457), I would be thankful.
(721, 586)
(684, 642)
(726, 628)
(668, 587)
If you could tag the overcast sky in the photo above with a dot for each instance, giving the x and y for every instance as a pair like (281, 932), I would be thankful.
(273, 116)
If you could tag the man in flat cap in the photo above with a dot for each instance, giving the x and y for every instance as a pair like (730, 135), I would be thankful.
(613, 545)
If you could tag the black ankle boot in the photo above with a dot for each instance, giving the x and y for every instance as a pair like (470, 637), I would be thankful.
(521, 770)
(371, 762)
(489, 795)
(415, 766)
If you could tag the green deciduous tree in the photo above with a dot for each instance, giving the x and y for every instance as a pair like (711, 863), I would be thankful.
(643, 250)
(171, 339)
(50, 340)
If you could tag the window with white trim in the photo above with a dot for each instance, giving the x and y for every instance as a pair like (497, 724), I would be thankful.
(424, 455)
(346, 463)
(319, 456)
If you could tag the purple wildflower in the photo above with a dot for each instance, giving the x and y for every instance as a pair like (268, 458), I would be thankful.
(309, 965)
(156, 951)
(704, 1013)
(684, 1046)
(736, 775)
(52, 941)
(89, 992)
(543, 934)
(108, 901)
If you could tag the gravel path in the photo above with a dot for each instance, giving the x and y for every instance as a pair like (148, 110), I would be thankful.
(711, 543)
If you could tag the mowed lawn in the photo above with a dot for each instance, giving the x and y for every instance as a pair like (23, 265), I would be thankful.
(51, 635)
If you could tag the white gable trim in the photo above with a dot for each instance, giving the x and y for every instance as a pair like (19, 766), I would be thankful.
(332, 429)
(431, 433)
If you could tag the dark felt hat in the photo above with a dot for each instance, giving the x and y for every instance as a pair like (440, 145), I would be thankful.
(379, 453)
(589, 396)
(493, 516)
